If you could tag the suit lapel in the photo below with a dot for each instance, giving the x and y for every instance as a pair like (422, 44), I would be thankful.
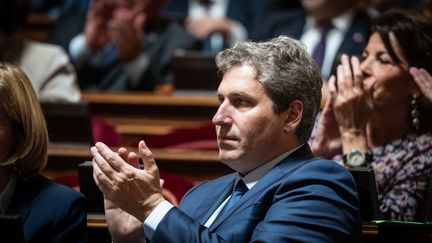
(214, 199)
(22, 195)
(283, 169)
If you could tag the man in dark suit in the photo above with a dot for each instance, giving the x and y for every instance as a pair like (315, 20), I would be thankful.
(348, 31)
(269, 97)
(126, 46)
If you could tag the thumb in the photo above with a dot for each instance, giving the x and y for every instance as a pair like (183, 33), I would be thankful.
(147, 156)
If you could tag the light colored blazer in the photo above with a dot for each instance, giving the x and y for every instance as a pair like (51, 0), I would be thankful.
(50, 71)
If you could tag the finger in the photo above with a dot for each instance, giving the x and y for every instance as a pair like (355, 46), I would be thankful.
(123, 153)
(426, 74)
(418, 76)
(332, 89)
(368, 92)
(357, 73)
(347, 74)
(340, 79)
(112, 158)
(147, 157)
(102, 181)
(133, 160)
(100, 161)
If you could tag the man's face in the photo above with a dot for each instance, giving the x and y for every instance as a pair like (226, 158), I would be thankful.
(249, 132)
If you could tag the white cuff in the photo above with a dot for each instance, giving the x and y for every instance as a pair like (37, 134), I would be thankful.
(78, 49)
(153, 220)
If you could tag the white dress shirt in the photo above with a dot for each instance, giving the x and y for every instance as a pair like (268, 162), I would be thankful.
(218, 9)
(311, 37)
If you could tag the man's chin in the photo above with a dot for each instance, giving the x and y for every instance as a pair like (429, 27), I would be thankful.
(229, 156)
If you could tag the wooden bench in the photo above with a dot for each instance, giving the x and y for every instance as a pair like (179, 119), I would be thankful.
(136, 114)
(196, 165)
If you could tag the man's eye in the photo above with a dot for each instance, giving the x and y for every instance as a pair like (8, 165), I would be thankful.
(241, 102)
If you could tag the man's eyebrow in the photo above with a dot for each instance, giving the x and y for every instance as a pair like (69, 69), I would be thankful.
(235, 94)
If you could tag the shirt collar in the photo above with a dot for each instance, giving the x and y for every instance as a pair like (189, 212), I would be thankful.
(254, 176)
(340, 22)
(7, 194)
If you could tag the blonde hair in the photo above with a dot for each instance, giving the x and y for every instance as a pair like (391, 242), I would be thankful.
(21, 106)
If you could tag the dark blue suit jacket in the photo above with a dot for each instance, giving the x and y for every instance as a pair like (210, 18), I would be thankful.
(292, 24)
(104, 71)
(50, 212)
(301, 199)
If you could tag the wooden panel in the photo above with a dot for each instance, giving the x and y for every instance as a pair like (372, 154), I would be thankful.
(196, 165)
(38, 27)
(136, 114)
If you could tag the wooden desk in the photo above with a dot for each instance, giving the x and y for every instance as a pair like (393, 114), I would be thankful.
(38, 27)
(143, 104)
(196, 165)
(136, 114)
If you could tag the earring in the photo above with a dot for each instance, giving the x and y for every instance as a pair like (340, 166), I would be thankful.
(415, 114)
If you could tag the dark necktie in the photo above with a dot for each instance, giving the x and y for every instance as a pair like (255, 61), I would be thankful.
(239, 190)
(319, 51)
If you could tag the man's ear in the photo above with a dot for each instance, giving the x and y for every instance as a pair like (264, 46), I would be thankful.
(293, 116)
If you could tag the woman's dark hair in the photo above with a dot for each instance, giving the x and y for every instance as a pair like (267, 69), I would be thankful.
(13, 15)
(414, 36)
(413, 33)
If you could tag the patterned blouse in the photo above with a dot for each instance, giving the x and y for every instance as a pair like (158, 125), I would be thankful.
(403, 169)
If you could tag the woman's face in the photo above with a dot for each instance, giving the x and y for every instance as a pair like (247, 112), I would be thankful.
(6, 138)
(391, 84)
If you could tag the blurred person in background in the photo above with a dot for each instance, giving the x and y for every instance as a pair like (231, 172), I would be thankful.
(48, 66)
(377, 116)
(126, 46)
(328, 28)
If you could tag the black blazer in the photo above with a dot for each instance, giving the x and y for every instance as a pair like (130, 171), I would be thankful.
(50, 212)
(292, 24)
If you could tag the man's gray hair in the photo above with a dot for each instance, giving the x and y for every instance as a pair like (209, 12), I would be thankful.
(285, 70)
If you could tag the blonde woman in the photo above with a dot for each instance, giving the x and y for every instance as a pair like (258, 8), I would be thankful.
(49, 212)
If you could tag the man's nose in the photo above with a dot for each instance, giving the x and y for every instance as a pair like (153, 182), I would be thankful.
(222, 115)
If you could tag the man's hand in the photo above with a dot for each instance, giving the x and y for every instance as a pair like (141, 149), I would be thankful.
(424, 80)
(135, 191)
(126, 32)
(96, 27)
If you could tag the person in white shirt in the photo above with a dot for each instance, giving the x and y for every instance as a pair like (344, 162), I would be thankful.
(51, 72)
(347, 31)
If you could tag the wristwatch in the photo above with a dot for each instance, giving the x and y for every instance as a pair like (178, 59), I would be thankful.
(356, 158)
